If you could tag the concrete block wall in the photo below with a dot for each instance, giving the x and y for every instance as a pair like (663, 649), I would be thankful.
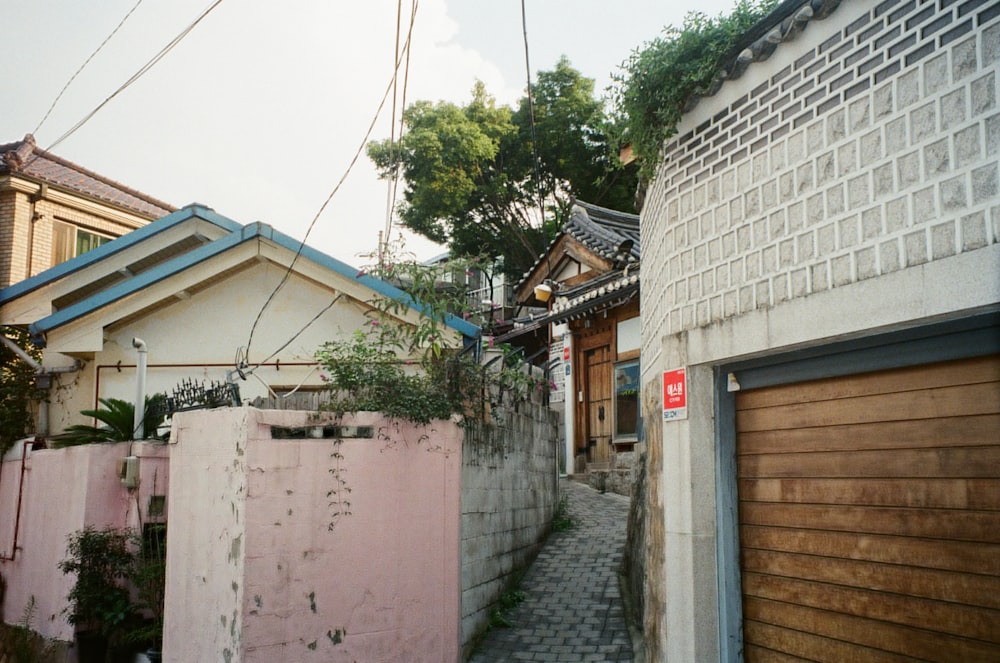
(873, 149)
(509, 493)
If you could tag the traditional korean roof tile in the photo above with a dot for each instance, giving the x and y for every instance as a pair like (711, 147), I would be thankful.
(783, 23)
(25, 158)
(599, 229)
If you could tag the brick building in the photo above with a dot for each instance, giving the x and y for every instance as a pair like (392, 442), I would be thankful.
(821, 255)
(51, 210)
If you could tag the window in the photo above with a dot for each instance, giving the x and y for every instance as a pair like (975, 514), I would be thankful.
(627, 400)
(69, 241)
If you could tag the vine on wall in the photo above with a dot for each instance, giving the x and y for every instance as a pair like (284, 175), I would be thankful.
(660, 79)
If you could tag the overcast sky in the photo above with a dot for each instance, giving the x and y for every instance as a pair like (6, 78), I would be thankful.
(259, 111)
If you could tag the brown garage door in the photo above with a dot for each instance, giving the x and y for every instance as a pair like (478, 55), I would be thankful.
(869, 510)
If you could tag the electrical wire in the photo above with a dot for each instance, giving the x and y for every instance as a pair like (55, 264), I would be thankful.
(396, 170)
(531, 114)
(138, 74)
(336, 188)
(82, 66)
(298, 333)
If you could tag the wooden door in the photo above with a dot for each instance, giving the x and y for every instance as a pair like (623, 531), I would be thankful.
(597, 405)
(869, 516)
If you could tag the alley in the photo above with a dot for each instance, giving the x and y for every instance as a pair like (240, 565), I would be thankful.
(572, 609)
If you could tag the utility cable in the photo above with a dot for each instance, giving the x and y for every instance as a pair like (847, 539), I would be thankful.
(531, 114)
(534, 140)
(390, 194)
(395, 172)
(138, 74)
(312, 224)
(82, 66)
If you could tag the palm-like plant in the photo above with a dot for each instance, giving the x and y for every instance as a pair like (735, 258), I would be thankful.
(118, 419)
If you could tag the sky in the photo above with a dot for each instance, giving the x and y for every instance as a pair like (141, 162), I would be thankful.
(260, 110)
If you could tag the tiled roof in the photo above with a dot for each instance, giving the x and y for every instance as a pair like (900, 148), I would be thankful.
(613, 289)
(603, 230)
(786, 20)
(26, 158)
(599, 229)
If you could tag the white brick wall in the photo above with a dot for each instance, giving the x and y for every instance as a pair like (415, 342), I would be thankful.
(868, 144)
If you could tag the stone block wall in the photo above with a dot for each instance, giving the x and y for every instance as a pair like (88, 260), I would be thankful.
(509, 493)
(868, 144)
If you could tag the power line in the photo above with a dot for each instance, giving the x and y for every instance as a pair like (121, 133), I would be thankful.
(350, 167)
(531, 115)
(82, 66)
(138, 74)
(392, 145)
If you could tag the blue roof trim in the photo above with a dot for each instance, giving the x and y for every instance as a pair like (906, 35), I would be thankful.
(464, 327)
(117, 245)
(241, 234)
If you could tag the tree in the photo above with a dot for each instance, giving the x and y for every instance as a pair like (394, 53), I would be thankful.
(469, 171)
(17, 389)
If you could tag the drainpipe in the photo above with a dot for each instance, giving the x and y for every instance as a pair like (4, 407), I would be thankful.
(140, 389)
(20, 496)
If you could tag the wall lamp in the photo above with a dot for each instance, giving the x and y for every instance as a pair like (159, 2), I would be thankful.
(544, 290)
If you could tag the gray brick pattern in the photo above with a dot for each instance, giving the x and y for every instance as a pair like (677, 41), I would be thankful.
(875, 148)
(509, 492)
(573, 610)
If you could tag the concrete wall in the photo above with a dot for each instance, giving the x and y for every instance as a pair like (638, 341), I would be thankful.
(64, 490)
(848, 185)
(509, 492)
(312, 549)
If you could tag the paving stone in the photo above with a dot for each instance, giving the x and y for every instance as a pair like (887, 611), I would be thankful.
(572, 609)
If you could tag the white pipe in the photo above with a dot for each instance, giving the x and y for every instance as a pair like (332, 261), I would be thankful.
(140, 389)
(24, 356)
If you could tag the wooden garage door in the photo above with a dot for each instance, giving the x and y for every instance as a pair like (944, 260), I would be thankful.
(869, 516)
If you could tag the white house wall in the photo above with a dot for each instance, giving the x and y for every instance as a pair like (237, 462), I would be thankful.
(199, 337)
(848, 185)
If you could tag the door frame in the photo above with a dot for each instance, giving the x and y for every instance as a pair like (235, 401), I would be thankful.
(973, 336)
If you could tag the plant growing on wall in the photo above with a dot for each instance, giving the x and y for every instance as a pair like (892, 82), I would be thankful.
(659, 79)
(117, 418)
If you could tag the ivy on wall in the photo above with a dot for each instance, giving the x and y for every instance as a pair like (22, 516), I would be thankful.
(659, 79)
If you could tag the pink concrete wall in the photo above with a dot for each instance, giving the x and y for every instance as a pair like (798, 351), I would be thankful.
(65, 490)
(312, 549)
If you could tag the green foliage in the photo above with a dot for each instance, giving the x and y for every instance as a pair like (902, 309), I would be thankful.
(561, 520)
(408, 371)
(102, 560)
(509, 600)
(469, 170)
(17, 389)
(118, 419)
(661, 78)
(23, 645)
(109, 564)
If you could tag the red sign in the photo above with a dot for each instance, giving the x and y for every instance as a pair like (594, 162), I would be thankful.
(565, 354)
(675, 394)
